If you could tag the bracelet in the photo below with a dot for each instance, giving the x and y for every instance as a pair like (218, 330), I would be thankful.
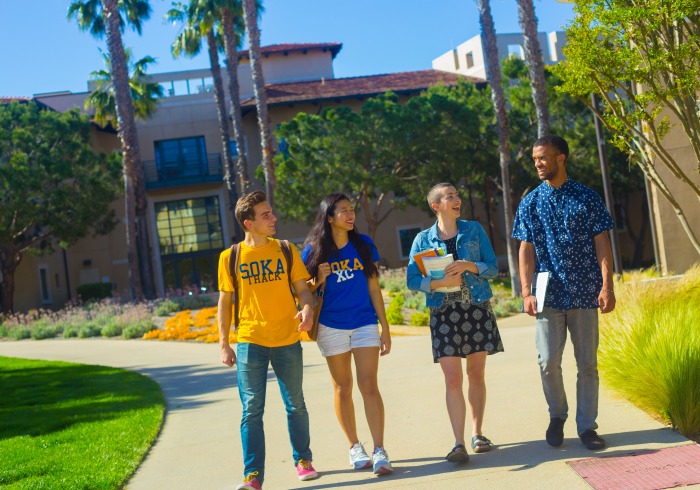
(525, 297)
(608, 291)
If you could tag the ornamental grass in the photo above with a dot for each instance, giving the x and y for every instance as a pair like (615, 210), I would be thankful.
(650, 348)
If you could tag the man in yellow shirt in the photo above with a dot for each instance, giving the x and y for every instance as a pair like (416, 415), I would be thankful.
(268, 331)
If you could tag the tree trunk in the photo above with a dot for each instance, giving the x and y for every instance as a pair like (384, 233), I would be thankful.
(535, 64)
(230, 46)
(9, 261)
(220, 99)
(132, 167)
(493, 75)
(250, 11)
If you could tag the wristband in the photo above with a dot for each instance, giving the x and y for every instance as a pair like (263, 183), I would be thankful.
(608, 291)
(525, 297)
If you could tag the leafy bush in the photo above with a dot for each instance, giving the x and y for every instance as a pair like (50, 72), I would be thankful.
(89, 330)
(166, 306)
(71, 331)
(421, 318)
(137, 331)
(4, 332)
(41, 332)
(112, 329)
(393, 312)
(650, 348)
(94, 291)
(19, 333)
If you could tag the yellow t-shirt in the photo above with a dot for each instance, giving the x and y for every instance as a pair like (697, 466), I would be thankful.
(266, 306)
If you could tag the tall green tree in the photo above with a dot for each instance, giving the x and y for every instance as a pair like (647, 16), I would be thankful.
(251, 14)
(535, 64)
(53, 187)
(233, 27)
(387, 155)
(643, 60)
(493, 75)
(144, 94)
(108, 18)
(201, 21)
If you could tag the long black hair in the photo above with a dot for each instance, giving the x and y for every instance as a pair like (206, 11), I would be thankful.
(323, 246)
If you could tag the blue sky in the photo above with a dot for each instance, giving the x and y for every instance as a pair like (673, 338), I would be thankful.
(43, 52)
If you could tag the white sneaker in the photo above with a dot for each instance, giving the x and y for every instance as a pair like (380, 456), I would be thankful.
(359, 459)
(380, 462)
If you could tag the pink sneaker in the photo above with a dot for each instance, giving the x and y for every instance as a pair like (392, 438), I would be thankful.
(250, 482)
(305, 470)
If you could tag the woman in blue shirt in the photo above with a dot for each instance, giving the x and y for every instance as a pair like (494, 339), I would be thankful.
(462, 323)
(344, 263)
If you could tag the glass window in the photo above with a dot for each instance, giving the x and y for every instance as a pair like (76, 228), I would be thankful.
(182, 157)
(189, 225)
(44, 284)
(406, 236)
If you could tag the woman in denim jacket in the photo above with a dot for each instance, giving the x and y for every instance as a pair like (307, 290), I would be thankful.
(462, 323)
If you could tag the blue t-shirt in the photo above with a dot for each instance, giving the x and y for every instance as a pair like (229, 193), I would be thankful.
(346, 301)
(561, 223)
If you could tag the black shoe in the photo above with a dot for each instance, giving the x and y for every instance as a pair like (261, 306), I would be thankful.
(592, 440)
(555, 432)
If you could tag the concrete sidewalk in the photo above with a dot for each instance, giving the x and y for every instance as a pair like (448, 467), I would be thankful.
(199, 445)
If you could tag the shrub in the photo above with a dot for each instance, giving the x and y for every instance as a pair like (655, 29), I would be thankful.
(71, 331)
(650, 348)
(166, 306)
(19, 333)
(89, 330)
(94, 291)
(393, 312)
(112, 329)
(41, 332)
(4, 332)
(137, 331)
(421, 318)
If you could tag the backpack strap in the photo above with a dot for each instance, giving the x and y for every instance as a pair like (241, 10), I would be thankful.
(289, 257)
(233, 266)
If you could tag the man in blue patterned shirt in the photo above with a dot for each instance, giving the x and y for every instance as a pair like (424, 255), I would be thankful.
(563, 228)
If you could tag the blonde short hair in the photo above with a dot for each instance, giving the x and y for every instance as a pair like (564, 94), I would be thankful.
(436, 193)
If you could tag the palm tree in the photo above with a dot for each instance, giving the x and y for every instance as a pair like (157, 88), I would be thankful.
(104, 18)
(535, 64)
(201, 20)
(493, 75)
(233, 25)
(144, 95)
(250, 12)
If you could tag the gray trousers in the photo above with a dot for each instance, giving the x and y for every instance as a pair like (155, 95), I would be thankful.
(551, 326)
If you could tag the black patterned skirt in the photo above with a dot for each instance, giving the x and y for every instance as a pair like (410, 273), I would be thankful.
(459, 328)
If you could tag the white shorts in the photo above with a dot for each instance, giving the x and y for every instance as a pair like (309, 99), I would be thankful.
(334, 341)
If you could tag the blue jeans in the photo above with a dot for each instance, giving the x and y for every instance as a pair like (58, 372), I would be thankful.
(253, 361)
(551, 338)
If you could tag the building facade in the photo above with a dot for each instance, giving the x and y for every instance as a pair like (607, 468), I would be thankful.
(190, 216)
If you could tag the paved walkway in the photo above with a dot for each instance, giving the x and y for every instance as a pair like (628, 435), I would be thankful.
(199, 447)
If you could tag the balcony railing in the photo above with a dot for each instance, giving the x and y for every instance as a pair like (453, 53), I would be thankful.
(183, 171)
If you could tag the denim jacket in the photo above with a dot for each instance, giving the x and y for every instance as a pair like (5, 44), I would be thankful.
(472, 245)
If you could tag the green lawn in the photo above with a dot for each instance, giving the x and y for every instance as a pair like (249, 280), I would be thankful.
(74, 426)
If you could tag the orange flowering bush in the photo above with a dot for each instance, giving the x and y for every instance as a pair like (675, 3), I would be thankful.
(183, 326)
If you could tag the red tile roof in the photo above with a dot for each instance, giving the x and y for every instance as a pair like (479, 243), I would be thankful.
(7, 99)
(296, 47)
(339, 88)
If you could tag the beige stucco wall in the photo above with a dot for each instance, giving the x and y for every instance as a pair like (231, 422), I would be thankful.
(676, 251)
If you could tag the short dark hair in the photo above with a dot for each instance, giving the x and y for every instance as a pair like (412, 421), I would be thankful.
(557, 142)
(245, 206)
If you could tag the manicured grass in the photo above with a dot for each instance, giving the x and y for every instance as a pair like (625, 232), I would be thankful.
(650, 348)
(74, 426)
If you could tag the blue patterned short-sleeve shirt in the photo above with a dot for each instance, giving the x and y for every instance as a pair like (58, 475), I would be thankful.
(561, 223)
